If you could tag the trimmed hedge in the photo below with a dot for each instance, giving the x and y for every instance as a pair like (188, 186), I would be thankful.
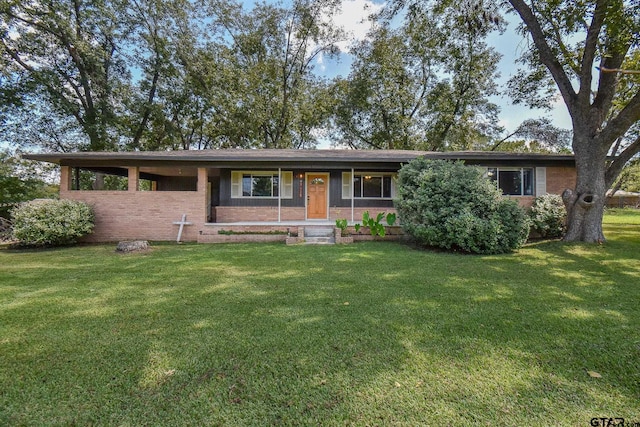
(455, 207)
(51, 222)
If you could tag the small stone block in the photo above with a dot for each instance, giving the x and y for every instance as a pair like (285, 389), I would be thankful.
(132, 246)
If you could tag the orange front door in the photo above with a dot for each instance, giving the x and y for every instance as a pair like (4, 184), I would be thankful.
(317, 191)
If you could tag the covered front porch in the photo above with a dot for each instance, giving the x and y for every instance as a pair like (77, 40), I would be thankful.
(150, 202)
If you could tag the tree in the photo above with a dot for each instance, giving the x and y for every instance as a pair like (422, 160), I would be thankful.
(536, 136)
(262, 77)
(580, 47)
(95, 62)
(65, 54)
(424, 85)
(382, 104)
(19, 182)
(629, 178)
(237, 78)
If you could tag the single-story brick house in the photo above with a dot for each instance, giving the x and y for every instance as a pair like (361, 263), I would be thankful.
(271, 189)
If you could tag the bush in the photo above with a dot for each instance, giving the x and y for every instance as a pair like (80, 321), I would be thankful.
(453, 206)
(6, 230)
(51, 222)
(548, 216)
(515, 225)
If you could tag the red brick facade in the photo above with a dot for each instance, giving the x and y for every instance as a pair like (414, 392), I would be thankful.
(227, 214)
(560, 178)
(144, 215)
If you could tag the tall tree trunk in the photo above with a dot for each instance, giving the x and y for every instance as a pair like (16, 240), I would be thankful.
(585, 204)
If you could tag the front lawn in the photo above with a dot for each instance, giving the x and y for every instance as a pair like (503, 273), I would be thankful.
(365, 334)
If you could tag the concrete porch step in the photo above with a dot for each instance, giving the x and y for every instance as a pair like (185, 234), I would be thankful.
(319, 240)
(318, 232)
(319, 236)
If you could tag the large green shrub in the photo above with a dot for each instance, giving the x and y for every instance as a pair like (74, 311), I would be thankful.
(453, 206)
(548, 216)
(51, 222)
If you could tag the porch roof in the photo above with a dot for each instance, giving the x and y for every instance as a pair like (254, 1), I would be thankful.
(313, 159)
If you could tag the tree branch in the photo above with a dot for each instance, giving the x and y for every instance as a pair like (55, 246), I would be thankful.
(497, 144)
(618, 163)
(547, 56)
(619, 125)
(607, 82)
(591, 44)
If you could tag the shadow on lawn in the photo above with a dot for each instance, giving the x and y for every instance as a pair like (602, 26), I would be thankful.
(370, 333)
(356, 330)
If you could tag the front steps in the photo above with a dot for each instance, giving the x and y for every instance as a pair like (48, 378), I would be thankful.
(319, 236)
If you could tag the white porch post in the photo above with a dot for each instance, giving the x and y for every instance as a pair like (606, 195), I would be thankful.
(279, 192)
(352, 195)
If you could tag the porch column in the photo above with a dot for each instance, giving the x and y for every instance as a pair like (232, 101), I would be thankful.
(203, 179)
(203, 186)
(279, 193)
(134, 178)
(65, 178)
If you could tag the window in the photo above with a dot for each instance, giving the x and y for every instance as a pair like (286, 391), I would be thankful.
(261, 184)
(513, 181)
(367, 186)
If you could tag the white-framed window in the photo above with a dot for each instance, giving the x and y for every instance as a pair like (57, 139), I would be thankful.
(262, 184)
(368, 185)
(513, 181)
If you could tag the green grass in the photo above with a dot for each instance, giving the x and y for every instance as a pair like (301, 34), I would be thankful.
(364, 334)
(622, 216)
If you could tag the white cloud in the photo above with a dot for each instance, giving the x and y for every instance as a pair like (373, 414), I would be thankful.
(354, 19)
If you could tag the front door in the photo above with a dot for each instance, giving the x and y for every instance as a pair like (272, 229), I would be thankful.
(317, 192)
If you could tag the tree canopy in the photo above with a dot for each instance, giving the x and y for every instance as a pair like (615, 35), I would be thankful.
(174, 74)
(20, 182)
(154, 74)
(423, 85)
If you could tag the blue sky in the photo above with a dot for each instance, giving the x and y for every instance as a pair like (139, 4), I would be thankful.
(510, 45)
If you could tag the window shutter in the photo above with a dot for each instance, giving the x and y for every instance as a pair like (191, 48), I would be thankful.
(236, 184)
(541, 181)
(287, 185)
(347, 185)
(394, 188)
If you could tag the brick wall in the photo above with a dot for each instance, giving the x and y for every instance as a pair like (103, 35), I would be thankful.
(619, 201)
(227, 214)
(211, 233)
(560, 178)
(258, 213)
(144, 215)
(524, 201)
(345, 213)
